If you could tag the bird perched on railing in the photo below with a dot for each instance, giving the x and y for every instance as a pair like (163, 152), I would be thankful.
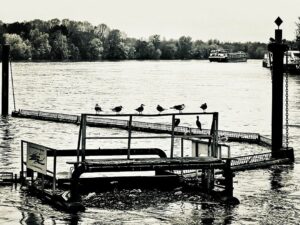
(140, 109)
(117, 109)
(198, 123)
(160, 108)
(178, 107)
(97, 108)
(176, 122)
(203, 107)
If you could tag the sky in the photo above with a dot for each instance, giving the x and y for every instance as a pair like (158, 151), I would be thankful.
(225, 20)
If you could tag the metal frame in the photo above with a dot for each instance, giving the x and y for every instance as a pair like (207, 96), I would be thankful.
(82, 138)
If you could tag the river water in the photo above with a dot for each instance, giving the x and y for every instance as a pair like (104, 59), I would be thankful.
(240, 92)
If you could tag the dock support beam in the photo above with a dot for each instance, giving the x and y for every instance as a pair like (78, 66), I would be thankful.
(5, 80)
(228, 174)
(129, 136)
(83, 137)
(214, 133)
(172, 137)
(278, 49)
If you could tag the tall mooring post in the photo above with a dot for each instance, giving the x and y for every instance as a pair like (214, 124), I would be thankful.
(5, 80)
(277, 48)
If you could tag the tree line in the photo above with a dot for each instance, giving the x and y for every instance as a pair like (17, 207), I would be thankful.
(297, 42)
(75, 40)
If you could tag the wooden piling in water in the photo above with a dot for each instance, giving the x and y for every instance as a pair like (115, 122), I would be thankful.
(5, 80)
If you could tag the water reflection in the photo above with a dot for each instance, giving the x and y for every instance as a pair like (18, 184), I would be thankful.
(279, 177)
(30, 218)
(74, 220)
(208, 213)
(6, 140)
(276, 179)
(280, 207)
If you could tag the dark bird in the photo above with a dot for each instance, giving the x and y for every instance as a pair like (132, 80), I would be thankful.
(160, 109)
(178, 107)
(140, 109)
(97, 108)
(117, 109)
(176, 122)
(203, 107)
(198, 123)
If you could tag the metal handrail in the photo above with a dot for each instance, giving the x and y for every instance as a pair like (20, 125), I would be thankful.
(255, 158)
(242, 136)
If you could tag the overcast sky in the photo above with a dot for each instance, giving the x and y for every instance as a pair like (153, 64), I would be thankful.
(226, 20)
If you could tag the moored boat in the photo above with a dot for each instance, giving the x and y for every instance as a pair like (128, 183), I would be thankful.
(291, 61)
(267, 60)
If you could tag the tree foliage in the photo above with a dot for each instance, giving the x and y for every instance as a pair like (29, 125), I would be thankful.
(114, 46)
(19, 49)
(298, 34)
(40, 47)
(184, 47)
(79, 40)
(60, 48)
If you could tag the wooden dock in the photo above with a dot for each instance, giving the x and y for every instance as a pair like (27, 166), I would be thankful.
(206, 169)
(162, 166)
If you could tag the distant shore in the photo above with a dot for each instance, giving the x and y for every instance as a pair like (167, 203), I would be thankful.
(124, 60)
(67, 40)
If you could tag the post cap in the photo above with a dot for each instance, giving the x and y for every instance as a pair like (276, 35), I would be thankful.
(278, 21)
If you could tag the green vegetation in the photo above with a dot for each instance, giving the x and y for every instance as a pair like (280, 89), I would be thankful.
(73, 40)
(298, 34)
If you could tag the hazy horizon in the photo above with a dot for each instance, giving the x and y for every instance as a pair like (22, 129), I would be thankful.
(232, 21)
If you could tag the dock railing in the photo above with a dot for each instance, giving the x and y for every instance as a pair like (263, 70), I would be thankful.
(250, 159)
(176, 132)
(150, 127)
